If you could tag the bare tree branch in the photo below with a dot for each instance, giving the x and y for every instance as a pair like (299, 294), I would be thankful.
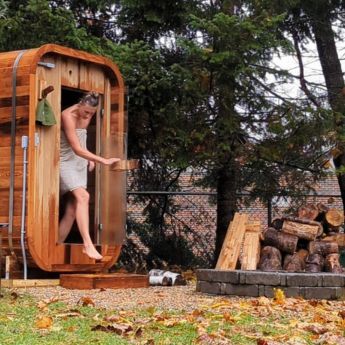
(302, 80)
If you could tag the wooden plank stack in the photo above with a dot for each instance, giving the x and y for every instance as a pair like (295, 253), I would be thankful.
(240, 235)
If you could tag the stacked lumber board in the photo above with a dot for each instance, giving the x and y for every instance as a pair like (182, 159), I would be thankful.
(242, 241)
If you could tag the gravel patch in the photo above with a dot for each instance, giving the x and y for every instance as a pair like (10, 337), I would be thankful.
(172, 297)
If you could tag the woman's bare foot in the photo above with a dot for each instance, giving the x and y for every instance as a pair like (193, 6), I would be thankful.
(91, 252)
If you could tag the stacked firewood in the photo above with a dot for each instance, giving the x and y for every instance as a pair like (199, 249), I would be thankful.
(307, 242)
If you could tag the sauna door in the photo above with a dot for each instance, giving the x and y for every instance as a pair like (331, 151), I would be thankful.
(112, 184)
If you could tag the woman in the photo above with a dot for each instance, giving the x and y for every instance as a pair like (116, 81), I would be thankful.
(74, 159)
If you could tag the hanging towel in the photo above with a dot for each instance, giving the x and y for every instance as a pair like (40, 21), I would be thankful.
(44, 113)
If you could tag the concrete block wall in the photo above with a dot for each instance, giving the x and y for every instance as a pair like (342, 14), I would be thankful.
(257, 283)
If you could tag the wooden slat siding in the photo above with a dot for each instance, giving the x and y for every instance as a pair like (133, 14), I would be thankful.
(78, 257)
(22, 111)
(232, 243)
(110, 69)
(7, 101)
(22, 79)
(6, 91)
(97, 267)
(5, 134)
(251, 246)
(4, 219)
(91, 77)
(5, 181)
(70, 72)
(17, 200)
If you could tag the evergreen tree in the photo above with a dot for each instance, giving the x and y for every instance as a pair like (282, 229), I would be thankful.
(199, 93)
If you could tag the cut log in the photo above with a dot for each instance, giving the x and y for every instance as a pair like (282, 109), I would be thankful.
(232, 244)
(270, 259)
(277, 223)
(332, 263)
(285, 242)
(251, 247)
(160, 280)
(322, 207)
(314, 263)
(302, 244)
(296, 262)
(161, 277)
(339, 238)
(302, 228)
(334, 217)
(308, 211)
(323, 247)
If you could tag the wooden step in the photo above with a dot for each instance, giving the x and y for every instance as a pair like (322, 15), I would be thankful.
(106, 281)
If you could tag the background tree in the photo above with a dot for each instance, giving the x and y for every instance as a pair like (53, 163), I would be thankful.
(202, 94)
(319, 22)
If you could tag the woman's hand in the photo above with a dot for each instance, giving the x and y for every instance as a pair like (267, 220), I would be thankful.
(91, 165)
(110, 161)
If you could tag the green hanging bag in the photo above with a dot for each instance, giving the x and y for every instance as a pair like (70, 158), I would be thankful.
(44, 113)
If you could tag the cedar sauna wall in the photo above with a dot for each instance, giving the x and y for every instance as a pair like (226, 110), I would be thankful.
(73, 71)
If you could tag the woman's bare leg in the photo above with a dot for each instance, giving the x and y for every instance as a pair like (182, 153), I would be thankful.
(82, 217)
(67, 221)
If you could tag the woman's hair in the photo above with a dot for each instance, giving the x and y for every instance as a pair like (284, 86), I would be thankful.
(91, 99)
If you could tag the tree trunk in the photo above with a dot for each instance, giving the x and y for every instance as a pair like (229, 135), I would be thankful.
(226, 205)
(321, 22)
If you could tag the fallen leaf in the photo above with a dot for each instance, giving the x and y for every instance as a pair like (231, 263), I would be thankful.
(316, 329)
(150, 342)
(331, 339)
(44, 322)
(113, 328)
(139, 332)
(69, 314)
(86, 301)
(279, 296)
(14, 295)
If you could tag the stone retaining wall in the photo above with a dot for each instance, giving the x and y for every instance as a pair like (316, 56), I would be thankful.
(256, 283)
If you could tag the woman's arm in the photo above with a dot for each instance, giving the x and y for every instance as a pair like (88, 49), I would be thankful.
(69, 127)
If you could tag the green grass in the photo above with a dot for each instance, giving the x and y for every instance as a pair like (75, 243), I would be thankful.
(19, 317)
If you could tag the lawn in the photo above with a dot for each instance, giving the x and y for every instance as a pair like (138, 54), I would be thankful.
(25, 319)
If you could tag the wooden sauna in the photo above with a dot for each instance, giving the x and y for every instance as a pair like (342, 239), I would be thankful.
(30, 202)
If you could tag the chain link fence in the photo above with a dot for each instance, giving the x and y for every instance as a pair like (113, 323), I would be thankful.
(180, 227)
